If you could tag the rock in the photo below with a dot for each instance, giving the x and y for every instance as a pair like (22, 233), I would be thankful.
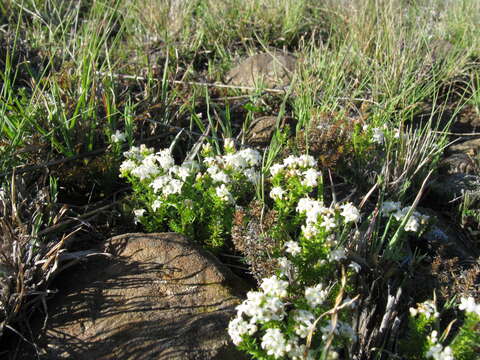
(158, 297)
(459, 163)
(467, 121)
(449, 241)
(262, 129)
(273, 70)
(462, 155)
(469, 147)
(454, 187)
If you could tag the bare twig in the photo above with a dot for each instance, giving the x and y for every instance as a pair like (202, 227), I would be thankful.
(83, 216)
(194, 83)
(25, 169)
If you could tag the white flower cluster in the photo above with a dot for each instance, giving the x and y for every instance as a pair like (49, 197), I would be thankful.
(221, 168)
(319, 215)
(302, 166)
(426, 308)
(316, 295)
(268, 305)
(469, 305)
(260, 307)
(436, 350)
(158, 170)
(415, 221)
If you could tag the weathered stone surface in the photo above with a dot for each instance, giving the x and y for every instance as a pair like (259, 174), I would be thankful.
(450, 188)
(469, 147)
(449, 241)
(274, 69)
(261, 131)
(459, 163)
(158, 297)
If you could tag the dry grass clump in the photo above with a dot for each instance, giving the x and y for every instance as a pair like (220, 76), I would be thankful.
(249, 237)
(327, 138)
(26, 265)
(29, 261)
(456, 279)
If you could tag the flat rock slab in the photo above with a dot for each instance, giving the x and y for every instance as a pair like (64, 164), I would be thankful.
(469, 147)
(273, 70)
(158, 297)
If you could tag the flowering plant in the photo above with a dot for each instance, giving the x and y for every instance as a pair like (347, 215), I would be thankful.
(291, 316)
(423, 340)
(192, 198)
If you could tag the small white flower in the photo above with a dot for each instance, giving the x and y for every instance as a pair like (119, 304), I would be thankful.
(292, 247)
(337, 255)
(350, 213)
(239, 327)
(184, 171)
(426, 308)
(273, 309)
(229, 145)
(145, 170)
(438, 352)
(223, 193)
(160, 182)
(309, 231)
(274, 343)
(307, 161)
(290, 162)
(138, 214)
(389, 207)
(333, 355)
(312, 208)
(315, 295)
(157, 204)
(252, 307)
(328, 223)
(209, 160)
(400, 214)
(378, 136)
(311, 176)
(118, 137)
(173, 187)
(285, 266)
(206, 148)
(220, 177)
(252, 175)
(412, 224)
(355, 266)
(235, 162)
(252, 157)
(303, 322)
(127, 166)
(165, 159)
(469, 305)
(274, 286)
(277, 193)
(276, 169)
